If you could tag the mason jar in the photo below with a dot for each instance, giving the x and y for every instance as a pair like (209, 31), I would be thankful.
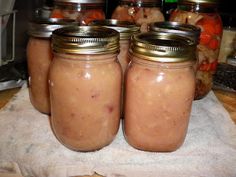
(84, 11)
(126, 30)
(160, 85)
(85, 87)
(39, 57)
(204, 14)
(182, 29)
(140, 12)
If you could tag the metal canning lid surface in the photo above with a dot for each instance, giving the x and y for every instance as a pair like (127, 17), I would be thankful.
(200, 1)
(43, 28)
(177, 28)
(85, 40)
(125, 28)
(162, 47)
(81, 1)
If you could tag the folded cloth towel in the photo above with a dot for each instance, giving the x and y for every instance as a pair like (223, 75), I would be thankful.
(209, 150)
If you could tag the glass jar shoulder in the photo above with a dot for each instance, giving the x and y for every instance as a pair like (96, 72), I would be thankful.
(86, 67)
(155, 72)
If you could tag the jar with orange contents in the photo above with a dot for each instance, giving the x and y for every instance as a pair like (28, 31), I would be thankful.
(83, 11)
(204, 14)
(140, 12)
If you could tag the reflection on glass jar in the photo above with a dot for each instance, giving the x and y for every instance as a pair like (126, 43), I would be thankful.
(140, 12)
(85, 87)
(84, 11)
(39, 56)
(160, 85)
(204, 15)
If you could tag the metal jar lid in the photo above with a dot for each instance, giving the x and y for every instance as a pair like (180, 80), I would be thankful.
(162, 47)
(199, 1)
(85, 40)
(81, 1)
(125, 28)
(43, 28)
(177, 28)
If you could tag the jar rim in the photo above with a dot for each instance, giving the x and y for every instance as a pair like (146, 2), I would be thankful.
(125, 28)
(162, 47)
(85, 40)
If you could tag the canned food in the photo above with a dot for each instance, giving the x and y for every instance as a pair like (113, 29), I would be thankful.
(85, 87)
(160, 85)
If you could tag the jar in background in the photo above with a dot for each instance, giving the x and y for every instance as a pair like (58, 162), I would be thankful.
(39, 56)
(85, 87)
(84, 11)
(182, 29)
(204, 15)
(160, 85)
(140, 12)
(126, 30)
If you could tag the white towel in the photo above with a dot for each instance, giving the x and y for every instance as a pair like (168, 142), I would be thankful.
(209, 149)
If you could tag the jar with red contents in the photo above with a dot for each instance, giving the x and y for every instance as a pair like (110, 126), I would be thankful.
(140, 12)
(83, 11)
(204, 14)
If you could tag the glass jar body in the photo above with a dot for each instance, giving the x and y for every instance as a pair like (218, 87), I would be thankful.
(83, 13)
(85, 95)
(39, 57)
(139, 12)
(207, 18)
(157, 108)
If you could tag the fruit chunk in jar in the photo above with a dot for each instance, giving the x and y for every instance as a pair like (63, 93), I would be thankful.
(39, 56)
(157, 108)
(84, 17)
(141, 16)
(208, 48)
(85, 99)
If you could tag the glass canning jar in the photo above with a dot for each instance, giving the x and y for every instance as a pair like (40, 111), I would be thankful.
(84, 11)
(204, 14)
(126, 30)
(140, 12)
(39, 57)
(160, 85)
(182, 29)
(85, 87)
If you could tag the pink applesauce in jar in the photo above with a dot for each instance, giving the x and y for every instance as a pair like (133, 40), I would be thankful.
(126, 30)
(204, 14)
(39, 56)
(160, 84)
(85, 87)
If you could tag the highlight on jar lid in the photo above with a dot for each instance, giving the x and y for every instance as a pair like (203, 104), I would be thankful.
(43, 28)
(85, 40)
(162, 47)
(191, 31)
(199, 1)
(125, 28)
(141, 3)
(81, 1)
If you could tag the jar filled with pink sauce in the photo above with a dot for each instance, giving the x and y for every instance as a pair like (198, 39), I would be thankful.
(126, 30)
(160, 85)
(39, 57)
(85, 87)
